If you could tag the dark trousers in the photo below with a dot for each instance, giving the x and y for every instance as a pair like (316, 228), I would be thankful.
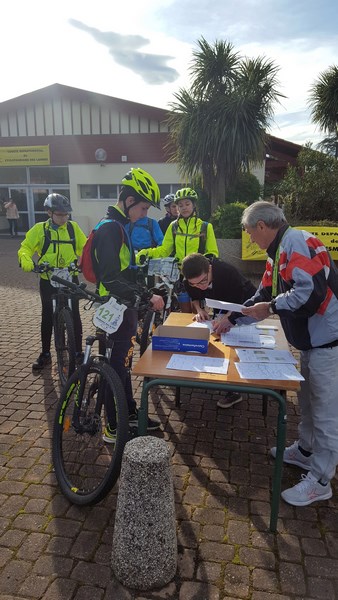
(13, 226)
(121, 358)
(46, 293)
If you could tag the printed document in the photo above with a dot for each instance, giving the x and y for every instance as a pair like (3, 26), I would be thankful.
(200, 364)
(284, 372)
(261, 355)
(247, 336)
(225, 306)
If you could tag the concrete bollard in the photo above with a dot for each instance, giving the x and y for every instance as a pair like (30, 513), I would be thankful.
(144, 554)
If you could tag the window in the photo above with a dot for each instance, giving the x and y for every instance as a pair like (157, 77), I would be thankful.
(49, 175)
(99, 192)
(108, 191)
(89, 192)
(13, 175)
(169, 188)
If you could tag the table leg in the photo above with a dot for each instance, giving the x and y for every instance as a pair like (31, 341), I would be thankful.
(277, 473)
(143, 410)
(177, 397)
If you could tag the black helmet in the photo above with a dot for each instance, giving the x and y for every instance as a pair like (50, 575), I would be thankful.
(56, 202)
(168, 199)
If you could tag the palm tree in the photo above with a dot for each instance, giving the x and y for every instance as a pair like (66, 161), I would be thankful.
(218, 125)
(324, 103)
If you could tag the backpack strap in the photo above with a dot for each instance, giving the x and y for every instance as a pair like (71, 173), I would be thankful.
(48, 240)
(202, 235)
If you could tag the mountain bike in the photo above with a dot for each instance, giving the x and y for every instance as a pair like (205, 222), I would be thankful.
(86, 467)
(168, 285)
(63, 324)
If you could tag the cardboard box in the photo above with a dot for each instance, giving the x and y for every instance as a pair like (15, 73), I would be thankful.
(174, 338)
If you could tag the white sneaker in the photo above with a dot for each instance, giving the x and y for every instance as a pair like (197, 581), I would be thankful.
(229, 399)
(308, 490)
(293, 456)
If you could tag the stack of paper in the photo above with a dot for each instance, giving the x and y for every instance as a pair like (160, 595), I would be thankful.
(266, 356)
(201, 364)
(247, 336)
(267, 364)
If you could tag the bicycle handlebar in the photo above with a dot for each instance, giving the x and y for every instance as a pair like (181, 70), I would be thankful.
(45, 267)
(82, 291)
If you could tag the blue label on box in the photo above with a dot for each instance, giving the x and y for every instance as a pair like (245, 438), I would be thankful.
(179, 344)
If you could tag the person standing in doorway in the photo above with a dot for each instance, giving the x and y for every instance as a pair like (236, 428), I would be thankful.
(12, 215)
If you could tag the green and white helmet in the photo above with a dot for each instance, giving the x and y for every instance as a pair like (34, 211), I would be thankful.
(186, 194)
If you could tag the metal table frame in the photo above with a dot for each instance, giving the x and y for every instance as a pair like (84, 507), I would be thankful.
(148, 383)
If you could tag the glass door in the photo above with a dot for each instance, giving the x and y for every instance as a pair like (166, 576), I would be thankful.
(19, 195)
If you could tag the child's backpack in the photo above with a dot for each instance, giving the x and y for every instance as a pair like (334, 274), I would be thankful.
(48, 241)
(87, 261)
(137, 237)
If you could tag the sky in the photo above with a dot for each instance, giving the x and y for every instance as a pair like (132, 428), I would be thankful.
(142, 51)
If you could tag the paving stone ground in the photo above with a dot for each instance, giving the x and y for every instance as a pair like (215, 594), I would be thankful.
(51, 550)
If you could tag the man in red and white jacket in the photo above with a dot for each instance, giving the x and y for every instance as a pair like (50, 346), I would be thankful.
(300, 285)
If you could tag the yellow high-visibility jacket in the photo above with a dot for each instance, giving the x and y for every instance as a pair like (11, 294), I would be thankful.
(58, 254)
(186, 240)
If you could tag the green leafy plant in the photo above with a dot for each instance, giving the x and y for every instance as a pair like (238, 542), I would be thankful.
(227, 220)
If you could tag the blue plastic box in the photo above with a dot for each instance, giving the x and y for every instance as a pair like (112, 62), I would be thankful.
(172, 338)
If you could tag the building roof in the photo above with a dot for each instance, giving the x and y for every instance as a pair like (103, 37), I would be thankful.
(61, 92)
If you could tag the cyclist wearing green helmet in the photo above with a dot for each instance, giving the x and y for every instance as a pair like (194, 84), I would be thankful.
(114, 262)
(187, 234)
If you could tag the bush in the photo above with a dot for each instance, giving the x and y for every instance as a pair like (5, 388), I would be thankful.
(246, 188)
(227, 220)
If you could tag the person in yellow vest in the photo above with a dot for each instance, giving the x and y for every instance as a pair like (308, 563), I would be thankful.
(187, 234)
(59, 242)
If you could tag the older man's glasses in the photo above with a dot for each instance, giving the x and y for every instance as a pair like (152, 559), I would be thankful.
(200, 282)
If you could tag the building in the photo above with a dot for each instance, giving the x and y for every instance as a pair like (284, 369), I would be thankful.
(81, 144)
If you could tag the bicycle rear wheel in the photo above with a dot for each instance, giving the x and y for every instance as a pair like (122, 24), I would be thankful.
(64, 338)
(86, 467)
(146, 328)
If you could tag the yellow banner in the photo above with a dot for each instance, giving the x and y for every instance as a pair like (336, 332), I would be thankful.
(328, 235)
(24, 156)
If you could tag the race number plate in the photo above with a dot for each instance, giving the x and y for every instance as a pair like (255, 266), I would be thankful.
(63, 274)
(109, 316)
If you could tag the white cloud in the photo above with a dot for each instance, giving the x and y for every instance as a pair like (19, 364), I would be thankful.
(148, 45)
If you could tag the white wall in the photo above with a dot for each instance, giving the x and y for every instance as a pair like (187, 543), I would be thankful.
(88, 212)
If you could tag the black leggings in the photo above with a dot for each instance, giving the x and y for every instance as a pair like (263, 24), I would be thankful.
(46, 292)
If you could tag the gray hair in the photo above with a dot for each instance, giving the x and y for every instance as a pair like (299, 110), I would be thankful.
(270, 214)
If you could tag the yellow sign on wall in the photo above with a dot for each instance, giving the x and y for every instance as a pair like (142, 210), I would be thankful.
(328, 235)
(24, 156)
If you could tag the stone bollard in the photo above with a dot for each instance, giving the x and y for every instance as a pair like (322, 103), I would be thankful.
(144, 554)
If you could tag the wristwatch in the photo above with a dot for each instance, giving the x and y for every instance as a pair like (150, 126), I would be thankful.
(271, 308)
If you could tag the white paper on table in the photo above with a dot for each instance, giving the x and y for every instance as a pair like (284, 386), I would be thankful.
(205, 324)
(262, 355)
(283, 372)
(247, 336)
(201, 364)
(226, 306)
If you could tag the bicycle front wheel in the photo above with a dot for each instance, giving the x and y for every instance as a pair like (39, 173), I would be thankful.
(87, 467)
(64, 338)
